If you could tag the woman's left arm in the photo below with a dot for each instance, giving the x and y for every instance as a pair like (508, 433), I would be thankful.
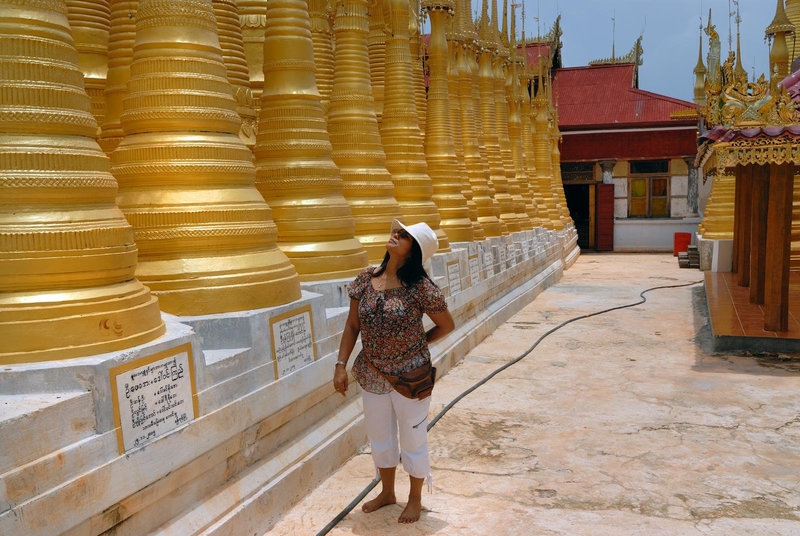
(444, 325)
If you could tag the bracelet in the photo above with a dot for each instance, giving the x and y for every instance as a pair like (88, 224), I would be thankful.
(342, 363)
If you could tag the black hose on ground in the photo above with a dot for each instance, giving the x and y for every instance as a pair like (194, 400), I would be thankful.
(456, 400)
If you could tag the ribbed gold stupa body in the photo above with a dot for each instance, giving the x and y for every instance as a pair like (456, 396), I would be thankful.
(400, 134)
(353, 129)
(497, 177)
(526, 134)
(558, 185)
(120, 54)
(415, 43)
(90, 21)
(253, 17)
(229, 31)
(439, 148)
(67, 255)
(717, 221)
(321, 12)
(376, 46)
(206, 237)
(542, 147)
(453, 76)
(294, 169)
(522, 198)
(477, 169)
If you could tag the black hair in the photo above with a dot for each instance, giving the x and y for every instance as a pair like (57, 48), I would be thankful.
(412, 271)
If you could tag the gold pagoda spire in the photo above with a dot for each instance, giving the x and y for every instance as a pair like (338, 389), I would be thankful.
(354, 134)
(294, 167)
(700, 76)
(229, 31)
(321, 13)
(376, 45)
(516, 214)
(206, 237)
(439, 147)
(549, 209)
(779, 59)
(415, 45)
(90, 21)
(120, 54)
(516, 135)
(400, 134)
(67, 285)
(739, 69)
(477, 169)
(486, 83)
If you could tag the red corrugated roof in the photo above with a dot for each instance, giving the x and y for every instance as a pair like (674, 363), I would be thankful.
(603, 96)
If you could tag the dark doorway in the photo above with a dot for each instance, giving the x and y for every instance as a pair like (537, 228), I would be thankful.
(581, 204)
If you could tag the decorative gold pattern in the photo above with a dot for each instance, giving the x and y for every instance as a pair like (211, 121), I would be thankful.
(221, 256)
(294, 169)
(67, 255)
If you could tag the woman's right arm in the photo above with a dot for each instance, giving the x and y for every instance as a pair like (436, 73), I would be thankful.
(352, 328)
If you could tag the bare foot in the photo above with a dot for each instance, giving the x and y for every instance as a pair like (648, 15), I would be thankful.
(381, 500)
(411, 512)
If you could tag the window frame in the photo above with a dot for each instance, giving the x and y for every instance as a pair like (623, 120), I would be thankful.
(649, 177)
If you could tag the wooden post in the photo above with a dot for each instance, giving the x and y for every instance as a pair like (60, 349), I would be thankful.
(737, 221)
(744, 174)
(758, 232)
(779, 232)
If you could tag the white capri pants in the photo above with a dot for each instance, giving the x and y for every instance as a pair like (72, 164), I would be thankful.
(383, 414)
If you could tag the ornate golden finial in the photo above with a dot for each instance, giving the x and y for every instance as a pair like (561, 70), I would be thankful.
(779, 59)
(67, 285)
(206, 237)
(700, 73)
(294, 169)
(739, 68)
(504, 31)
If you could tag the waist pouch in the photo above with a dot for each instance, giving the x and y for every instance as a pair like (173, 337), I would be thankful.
(416, 383)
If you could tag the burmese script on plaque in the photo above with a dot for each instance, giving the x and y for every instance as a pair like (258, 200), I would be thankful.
(474, 269)
(153, 396)
(292, 341)
(454, 277)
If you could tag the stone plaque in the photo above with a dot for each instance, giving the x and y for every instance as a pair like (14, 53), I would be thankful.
(503, 255)
(292, 340)
(454, 277)
(488, 260)
(474, 269)
(153, 395)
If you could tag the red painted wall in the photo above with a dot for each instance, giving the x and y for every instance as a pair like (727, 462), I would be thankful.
(629, 145)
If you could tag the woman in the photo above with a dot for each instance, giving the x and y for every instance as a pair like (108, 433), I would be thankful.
(386, 307)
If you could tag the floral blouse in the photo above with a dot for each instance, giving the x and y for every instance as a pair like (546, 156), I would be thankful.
(391, 328)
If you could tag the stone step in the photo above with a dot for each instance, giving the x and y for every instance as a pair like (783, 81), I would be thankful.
(32, 426)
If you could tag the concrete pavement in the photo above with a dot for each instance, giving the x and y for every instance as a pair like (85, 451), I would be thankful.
(620, 424)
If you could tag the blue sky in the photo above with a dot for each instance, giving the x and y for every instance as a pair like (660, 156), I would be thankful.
(670, 35)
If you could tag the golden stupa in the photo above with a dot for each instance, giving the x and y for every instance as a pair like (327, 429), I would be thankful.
(90, 21)
(515, 134)
(476, 166)
(353, 130)
(439, 148)
(376, 47)
(229, 31)
(67, 255)
(121, 36)
(415, 44)
(454, 35)
(400, 134)
(294, 169)
(206, 237)
(497, 178)
(717, 220)
(321, 13)
(542, 147)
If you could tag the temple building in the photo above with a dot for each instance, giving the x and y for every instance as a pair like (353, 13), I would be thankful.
(627, 157)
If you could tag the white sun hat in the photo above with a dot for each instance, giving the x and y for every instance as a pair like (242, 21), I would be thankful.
(424, 236)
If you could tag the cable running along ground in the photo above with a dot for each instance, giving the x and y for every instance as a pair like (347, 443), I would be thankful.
(456, 400)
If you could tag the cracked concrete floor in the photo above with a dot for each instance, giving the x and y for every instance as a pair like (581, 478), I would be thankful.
(615, 425)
